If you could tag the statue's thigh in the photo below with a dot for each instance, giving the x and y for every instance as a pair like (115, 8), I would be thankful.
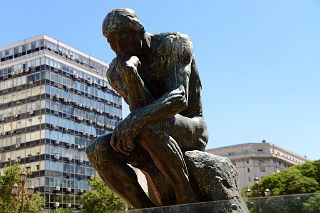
(101, 151)
(189, 133)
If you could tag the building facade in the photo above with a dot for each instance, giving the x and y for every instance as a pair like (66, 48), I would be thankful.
(54, 100)
(257, 160)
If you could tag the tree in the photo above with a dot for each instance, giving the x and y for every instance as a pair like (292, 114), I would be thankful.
(101, 198)
(36, 202)
(311, 169)
(61, 210)
(294, 180)
(313, 204)
(7, 202)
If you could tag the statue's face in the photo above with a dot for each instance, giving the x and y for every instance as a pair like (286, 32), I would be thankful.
(126, 42)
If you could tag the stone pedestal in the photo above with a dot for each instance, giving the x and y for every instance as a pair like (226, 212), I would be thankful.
(203, 207)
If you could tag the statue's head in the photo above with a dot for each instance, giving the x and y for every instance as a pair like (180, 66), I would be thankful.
(123, 19)
(123, 31)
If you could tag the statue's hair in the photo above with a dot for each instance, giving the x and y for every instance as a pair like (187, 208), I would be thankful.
(123, 19)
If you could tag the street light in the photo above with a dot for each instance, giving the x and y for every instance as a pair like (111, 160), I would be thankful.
(248, 192)
(30, 191)
(14, 190)
(267, 192)
(20, 192)
(256, 181)
(23, 176)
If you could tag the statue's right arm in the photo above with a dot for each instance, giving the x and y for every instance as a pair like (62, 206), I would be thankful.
(115, 81)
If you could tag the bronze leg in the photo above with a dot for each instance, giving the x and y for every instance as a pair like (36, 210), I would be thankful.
(113, 169)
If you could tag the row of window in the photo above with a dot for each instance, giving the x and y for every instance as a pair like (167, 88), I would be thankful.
(50, 163)
(20, 109)
(62, 134)
(262, 169)
(23, 94)
(45, 44)
(21, 50)
(49, 104)
(73, 56)
(54, 198)
(61, 182)
(60, 81)
(68, 106)
(21, 153)
(67, 153)
(68, 124)
(86, 102)
(32, 107)
(42, 134)
(69, 168)
(83, 101)
(30, 65)
(57, 152)
(82, 87)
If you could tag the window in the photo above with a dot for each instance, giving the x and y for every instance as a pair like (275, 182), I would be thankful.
(262, 169)
(248, 170)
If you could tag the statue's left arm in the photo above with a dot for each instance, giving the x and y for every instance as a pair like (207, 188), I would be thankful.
(178, 52)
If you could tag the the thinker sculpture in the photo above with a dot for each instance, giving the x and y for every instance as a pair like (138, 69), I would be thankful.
(157, 77)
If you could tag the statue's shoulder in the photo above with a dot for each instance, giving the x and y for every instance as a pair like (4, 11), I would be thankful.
(173, 44)
(169, 36)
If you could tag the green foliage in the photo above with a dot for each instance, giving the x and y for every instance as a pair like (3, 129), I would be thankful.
(313, 204)
(101, 198)
(11, 176)
(311, 169)
(294, 180)
(278, 204)
(61, 210)
(7, 202)
(36, 202)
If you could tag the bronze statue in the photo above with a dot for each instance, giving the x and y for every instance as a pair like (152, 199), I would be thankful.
(157, 77)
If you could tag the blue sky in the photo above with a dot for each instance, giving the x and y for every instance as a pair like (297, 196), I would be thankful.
(258, 60)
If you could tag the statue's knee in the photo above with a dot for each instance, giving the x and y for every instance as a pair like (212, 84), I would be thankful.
(98, 145)
(91, 149)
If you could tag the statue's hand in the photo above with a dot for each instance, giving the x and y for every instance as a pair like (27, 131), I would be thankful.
(123, 135)
(127, 64)
(133, 62)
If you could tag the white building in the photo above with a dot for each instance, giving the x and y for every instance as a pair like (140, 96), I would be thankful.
(54, 101)
(257, 159)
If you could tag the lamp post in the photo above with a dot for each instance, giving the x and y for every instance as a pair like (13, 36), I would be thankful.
(256, 181)
(267, 192)
(248, 192)
(20, 192)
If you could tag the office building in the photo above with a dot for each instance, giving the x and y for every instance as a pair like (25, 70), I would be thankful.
(54, 100)
(257, 160)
